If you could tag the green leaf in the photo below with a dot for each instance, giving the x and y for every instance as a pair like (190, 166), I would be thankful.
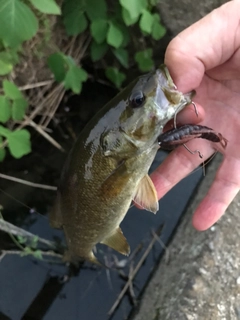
(127, 18)
(2, 150)
(114, 36)
(18, 23)
(46, 6)
(99, 30)
(38, 254)
(21, 239)
(96, 9)
(11, 55)
(115, 76)
(66, 70)
(122, 56)
(74, 78)
(57, 64)
(97, 51)
(6, 65)
(34, 242)
(134, 7)
(144, 60)
(11, 90)
(158, 30)
(4, 132)
(19, 143)
(73, 17)
(26, 251)
(5, 109)
(19, 108)
(146, 21)
(126, 36)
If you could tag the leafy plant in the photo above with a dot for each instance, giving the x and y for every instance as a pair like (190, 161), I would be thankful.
(28, 243)
(66, 71)
(28, 248)
(114, 28)
(13, 106)
(144, 60)
(18, 24)
(111, 30)
(114, 75)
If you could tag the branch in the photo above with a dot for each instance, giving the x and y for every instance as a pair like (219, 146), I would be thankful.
(16, 231)
(134, 272)
(43, 133)
(28, 183)
(20, 252)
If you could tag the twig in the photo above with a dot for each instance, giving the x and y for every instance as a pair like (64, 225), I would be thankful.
(131, 289)
(162, 244)
(16, 231)
(28, 121)
(40, 106)
(90, 284)
(36, 85)
(135, 252)
(43, 133)
(28, 183)
(48, 130)
(133, 274)
(19, 252)
(50, 94)
(55, 103)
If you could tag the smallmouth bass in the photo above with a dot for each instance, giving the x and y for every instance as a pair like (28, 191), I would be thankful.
(108, 165)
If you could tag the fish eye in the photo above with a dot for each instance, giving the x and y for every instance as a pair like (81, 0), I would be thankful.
(137, 99)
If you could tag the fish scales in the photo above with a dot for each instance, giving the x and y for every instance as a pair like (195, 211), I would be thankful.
(108, 165)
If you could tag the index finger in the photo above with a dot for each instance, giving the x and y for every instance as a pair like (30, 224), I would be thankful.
(178, 164)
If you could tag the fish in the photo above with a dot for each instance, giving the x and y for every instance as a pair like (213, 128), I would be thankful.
(108, 165)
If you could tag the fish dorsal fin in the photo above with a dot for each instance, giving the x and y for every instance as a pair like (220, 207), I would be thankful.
(118, 242)
(146, 195)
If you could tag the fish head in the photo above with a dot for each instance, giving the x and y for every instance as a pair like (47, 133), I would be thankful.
(151, 103)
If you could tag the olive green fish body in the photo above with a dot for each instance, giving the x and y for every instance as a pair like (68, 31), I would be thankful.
(109, 163)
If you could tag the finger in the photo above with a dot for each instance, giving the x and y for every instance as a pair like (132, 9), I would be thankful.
(189, 115)
(186, 116)
(223, 190)
(178, 165)
(196, 49)
(229, 70)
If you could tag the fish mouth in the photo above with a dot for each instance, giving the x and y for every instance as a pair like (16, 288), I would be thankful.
(175, 98)
(164, 78)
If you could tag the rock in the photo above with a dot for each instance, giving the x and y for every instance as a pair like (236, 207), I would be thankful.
(178, 15)
(202, 279)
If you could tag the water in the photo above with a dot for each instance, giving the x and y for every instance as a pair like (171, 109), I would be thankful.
(33, 289)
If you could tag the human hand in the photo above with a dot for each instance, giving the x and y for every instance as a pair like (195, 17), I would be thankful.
(206, 57)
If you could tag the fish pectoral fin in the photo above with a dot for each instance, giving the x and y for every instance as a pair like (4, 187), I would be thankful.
(118, 242)
(146, 195)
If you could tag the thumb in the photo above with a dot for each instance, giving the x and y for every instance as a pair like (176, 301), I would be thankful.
(206, 44)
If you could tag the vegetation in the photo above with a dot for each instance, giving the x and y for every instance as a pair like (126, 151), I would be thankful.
(52, 37)
(29, 26)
